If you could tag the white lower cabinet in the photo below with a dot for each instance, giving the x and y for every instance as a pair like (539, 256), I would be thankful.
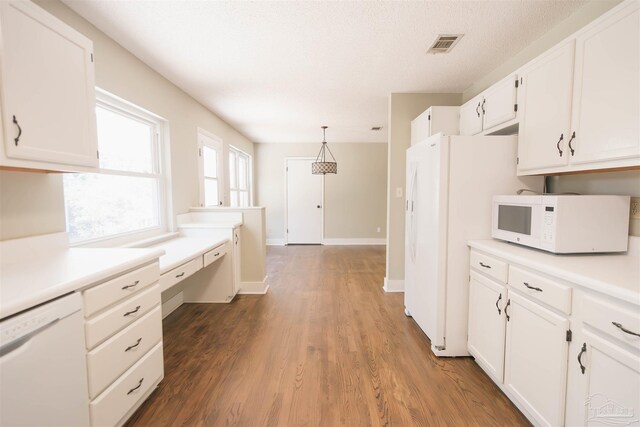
(535, 367)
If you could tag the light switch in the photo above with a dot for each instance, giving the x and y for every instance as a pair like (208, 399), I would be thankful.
(399, 192)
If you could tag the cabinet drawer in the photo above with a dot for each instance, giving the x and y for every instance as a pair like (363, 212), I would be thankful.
(540, 288)
(613, 320)
(111, 321)
(174, 276)
(108, 361)
(104, 295)
(109, 408)
(490, 266)
(214, 255)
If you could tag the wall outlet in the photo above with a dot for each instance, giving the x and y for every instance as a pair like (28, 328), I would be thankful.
(635, 208)
(378, 229)
(399, 192)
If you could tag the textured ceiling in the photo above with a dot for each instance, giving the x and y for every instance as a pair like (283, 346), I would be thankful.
(277, 71)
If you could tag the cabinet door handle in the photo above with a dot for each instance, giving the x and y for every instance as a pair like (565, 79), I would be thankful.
(478, 109)
(17, 138)
(216, 254)
(134, 345)
(484, 265)
(531, 287)
(499, 298)
(483, 101)
(237, 239)
(558, 144)
(623, 329)
(506, 313)
(133, 285)
(179, 275)
(128, 313)
(583, 350)
(573, 135)
(136, 387)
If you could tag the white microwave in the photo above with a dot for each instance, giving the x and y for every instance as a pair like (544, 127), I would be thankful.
(563, 224)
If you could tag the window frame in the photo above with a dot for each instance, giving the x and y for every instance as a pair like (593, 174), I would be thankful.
(238, 152)
(216, 143)
(161, 172)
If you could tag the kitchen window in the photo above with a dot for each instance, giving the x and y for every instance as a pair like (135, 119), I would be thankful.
(128, 197)
(239, 178)
(210, 169)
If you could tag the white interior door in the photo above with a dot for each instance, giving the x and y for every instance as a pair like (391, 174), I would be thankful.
(304, 203)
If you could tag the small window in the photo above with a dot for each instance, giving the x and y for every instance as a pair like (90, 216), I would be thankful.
(128, 194)
(210, 152)
(239, 178)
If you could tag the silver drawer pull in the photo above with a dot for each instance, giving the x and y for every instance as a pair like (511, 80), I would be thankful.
(133, 285)
(623, 329)
(484, 265)
(132, 311)
(533, 288)
(216, 254)
(134, 345)
(180, 275)
(136, 387)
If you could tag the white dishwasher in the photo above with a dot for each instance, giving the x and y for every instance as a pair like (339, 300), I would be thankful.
(43, 376)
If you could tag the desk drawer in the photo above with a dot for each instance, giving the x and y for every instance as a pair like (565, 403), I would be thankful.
(109, 408)
(111, 321)
(109, 360)
(490, 266)
(618, 322)
(540, 288)
(178, 274)
(214, 255)
(104, 295)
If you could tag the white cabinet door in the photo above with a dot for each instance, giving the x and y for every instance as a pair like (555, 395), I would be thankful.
(606, 105)
(421, 127)
(471, 117)
(546, 94)
(236, 260)
(48, 93)
(499, 104)
(536, 359)
(611, 382)
(487, 324)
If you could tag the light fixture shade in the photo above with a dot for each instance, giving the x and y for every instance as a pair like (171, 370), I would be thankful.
(321, 168)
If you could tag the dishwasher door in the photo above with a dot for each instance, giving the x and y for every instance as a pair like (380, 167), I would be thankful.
(43, 376)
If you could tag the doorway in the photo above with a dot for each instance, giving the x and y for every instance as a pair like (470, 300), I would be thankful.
(304, 203)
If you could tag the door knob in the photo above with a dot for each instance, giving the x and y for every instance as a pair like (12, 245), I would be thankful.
(318, 206)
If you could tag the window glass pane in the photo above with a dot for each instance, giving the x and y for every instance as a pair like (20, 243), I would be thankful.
(242, 172)
(210, 157)
(233, 181)
(234, 199)
(244, 199)
(125, 144)
(99, 205)
(211, 192)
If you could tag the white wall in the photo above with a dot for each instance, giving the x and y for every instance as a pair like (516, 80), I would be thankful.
(355, 201)
(39, 207)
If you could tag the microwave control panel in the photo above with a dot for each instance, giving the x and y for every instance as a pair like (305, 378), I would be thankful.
(548, 224)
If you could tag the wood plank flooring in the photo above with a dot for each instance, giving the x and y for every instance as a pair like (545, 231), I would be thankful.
(325, 347)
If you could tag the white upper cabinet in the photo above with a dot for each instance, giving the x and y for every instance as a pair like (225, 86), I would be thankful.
(499, 104)
(436, 119)
(546, 93)
(606, 108)
(48, 91)
(471, 116)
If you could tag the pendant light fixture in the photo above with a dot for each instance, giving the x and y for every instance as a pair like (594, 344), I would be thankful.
(322, 166)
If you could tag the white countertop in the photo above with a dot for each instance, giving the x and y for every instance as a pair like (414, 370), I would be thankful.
(617, 275)
(212, 224)
(31, 280)
(183, 249)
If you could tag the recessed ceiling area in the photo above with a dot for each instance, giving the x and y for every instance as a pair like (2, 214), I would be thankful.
(277, 71)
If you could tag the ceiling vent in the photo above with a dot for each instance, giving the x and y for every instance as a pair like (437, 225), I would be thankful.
(376, 128)
(444, 43)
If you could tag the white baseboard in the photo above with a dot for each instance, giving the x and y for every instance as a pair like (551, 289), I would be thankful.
(172, 304)
(357, 241)
(254, 288)
(275, 242)
(393, 285)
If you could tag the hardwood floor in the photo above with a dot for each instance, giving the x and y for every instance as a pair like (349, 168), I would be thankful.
(325, 347)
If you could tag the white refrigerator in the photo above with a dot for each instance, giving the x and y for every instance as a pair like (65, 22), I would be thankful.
(450, 183)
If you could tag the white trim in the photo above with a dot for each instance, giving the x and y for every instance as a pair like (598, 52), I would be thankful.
(276, 242)
(254, 288)
(286, 195)
(172, 304)
(393, 285)
(356, 241)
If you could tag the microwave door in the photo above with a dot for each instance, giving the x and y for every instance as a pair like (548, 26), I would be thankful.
(515, 219)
